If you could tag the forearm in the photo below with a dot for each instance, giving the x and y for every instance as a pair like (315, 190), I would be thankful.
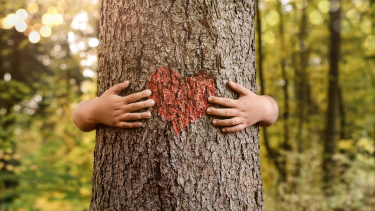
(271, 112)
(82, 118)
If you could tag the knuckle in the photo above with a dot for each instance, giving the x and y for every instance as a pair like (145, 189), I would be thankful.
(133, 97)
(234, 122)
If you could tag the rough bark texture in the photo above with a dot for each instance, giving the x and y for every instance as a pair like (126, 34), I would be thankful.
(157, 167)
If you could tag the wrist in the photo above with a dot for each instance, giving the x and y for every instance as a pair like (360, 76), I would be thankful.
(270, 112)
(91, 110)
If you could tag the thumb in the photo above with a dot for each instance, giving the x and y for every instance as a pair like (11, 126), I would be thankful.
(239, 88)
(118, 87)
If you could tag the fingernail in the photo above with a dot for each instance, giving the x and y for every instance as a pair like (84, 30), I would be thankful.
(152, 102)
(148, 115)
(223, 129)
(209, 110)
(230, 82)
(210, 98)
(214, 122)
(148, 92)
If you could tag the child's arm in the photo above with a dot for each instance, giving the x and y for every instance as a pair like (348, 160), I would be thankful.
(112, 110)
(247, 110)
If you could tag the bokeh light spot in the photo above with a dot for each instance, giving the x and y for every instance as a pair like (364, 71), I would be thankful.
(334, 5)
(21, 14)
(34, 37)
(45, 31)
(315, 17)
(57, 19)
(21, 26)
(362, 5)
(12, 19)
(4, 24)
(93, 42)
(88, 73)
(47, 19)
(272, 17)
(269, 37)
(324, 6)
(370, 42)
(33, 7)
(366, 26)
(7, 77)
(353, 15)
(62, 4)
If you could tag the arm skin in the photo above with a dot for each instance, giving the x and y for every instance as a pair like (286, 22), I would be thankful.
(112, 110)
(247, 110)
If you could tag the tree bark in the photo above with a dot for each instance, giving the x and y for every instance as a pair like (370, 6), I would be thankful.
(166, 165)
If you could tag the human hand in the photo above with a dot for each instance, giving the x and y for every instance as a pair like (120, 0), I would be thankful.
(112, 110)
(247, 110)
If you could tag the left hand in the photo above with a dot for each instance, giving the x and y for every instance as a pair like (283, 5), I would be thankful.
(247, 110)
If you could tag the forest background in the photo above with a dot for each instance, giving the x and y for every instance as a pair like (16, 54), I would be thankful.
(48, 64)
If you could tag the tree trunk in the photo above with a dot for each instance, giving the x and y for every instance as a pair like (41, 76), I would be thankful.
(333, 101)
(184, 51)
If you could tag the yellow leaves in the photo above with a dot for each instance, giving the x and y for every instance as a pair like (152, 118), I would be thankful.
(85, 191)
(355, 145)
(345, 144)
(44, 204)
(366, 144)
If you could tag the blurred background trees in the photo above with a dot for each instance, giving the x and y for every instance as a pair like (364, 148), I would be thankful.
(48, 62)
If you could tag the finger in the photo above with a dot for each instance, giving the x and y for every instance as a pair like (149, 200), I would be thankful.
(239, 88)
(226, 122)
(222, 112)
(222, 101)
(135, 116)
(118, 87)
(233, 129)
(129, 124)
(137, 96)
(139, 105)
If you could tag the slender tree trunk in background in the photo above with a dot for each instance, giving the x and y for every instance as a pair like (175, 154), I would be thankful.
(342, 115)
(273, 154)
(301, 88)
(285, 145)
(333, 90)
(301, 84)
(164, 165)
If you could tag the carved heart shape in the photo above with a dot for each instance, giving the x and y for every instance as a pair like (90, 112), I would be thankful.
(178, 103)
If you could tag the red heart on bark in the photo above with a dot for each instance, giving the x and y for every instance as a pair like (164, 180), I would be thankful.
(180, 103)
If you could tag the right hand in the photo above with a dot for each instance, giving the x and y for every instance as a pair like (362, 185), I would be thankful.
(113, 110)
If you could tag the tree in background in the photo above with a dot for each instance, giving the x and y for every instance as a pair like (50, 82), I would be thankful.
(331, 132)
(178, 160)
